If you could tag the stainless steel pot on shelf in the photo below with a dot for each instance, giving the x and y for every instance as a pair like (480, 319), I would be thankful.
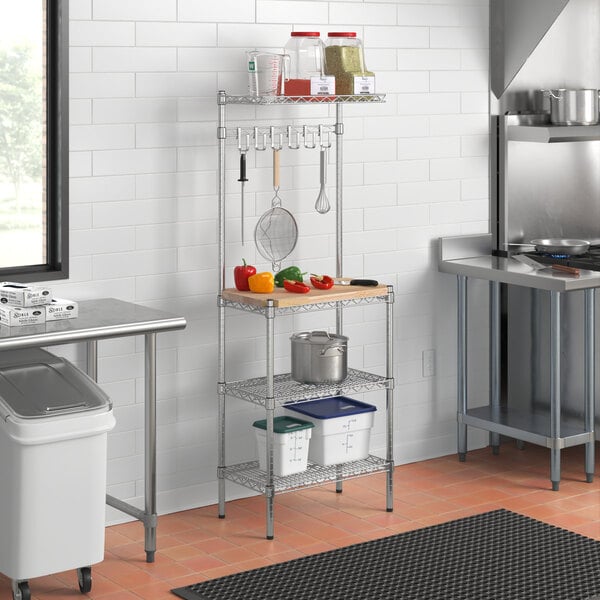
(573, 107)
(319, 357)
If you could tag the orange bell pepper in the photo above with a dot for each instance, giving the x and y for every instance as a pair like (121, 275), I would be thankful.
(262, 283)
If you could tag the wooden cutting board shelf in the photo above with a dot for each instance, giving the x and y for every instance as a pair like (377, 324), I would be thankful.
(283, 299)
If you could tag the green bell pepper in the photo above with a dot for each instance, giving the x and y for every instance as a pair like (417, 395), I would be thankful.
(290, 273)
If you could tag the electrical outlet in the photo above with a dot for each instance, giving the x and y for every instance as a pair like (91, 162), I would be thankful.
(428, 363)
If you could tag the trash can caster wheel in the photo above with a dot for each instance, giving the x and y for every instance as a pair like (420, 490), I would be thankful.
(84, 577)
(21, 591)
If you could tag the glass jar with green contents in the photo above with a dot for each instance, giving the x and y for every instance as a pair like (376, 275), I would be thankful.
(344, 59)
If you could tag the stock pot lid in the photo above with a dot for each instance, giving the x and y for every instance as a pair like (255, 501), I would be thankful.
(319, 338)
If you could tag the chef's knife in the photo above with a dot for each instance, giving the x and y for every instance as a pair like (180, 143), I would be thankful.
(367, 282)
(534, 264)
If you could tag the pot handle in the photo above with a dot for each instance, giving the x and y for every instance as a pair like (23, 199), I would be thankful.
(551, 94)
(320, 334)
(333, 350)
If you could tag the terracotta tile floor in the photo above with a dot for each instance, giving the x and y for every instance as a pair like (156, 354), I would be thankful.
(196, 545)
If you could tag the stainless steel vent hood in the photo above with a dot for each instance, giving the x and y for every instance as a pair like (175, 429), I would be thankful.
(517, 26)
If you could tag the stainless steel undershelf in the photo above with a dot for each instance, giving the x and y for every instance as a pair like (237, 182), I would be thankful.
(249, 475)
(526, 426)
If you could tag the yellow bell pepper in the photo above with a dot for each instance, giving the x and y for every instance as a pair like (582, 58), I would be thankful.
(262, 283)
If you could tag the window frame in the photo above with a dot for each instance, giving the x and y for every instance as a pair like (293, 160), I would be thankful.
(57, 153)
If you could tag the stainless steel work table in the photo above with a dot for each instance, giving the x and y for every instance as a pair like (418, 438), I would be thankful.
(552, 433)
(99, 320)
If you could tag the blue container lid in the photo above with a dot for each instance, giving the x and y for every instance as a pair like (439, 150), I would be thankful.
(330, 408)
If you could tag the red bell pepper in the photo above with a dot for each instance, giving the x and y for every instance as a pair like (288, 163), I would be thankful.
(321, 282)
(241, 274)
(295, 286)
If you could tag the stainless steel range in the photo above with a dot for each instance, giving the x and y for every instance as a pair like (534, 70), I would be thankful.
(590, 260)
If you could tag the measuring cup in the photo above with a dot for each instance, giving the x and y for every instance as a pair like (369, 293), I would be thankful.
(267, 73)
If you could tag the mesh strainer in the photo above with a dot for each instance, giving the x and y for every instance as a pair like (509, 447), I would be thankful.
(276, 232)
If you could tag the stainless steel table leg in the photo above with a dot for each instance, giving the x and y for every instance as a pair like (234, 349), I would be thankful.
(150, 446)
(589, 376)
(92, 359)
(495, 361)
(462, 365)
(555, 388)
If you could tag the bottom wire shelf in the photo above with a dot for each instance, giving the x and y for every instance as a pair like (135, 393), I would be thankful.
(249, 475)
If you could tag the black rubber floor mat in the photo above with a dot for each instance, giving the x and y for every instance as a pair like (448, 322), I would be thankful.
(499, 555)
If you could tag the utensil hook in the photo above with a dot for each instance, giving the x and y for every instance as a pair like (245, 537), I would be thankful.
(309, 137)
(293, 138)
(260, 140)
(243, 140)
(276, 139)
(324, 138)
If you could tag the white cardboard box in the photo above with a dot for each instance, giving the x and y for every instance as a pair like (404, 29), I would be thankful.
(22, 315)
(61, 308)
(19, 294)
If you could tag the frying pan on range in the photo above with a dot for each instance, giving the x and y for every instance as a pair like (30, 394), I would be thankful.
(565, 246)
(570, 247)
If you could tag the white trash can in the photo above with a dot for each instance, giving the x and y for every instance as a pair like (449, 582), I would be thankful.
(54, 421)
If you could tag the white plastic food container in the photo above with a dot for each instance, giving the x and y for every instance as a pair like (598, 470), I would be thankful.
(53, 431)
(291, 440)
(342, 428)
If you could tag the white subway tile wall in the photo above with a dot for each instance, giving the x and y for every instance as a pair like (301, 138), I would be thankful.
(144, 78)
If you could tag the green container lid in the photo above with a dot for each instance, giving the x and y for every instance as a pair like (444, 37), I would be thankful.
(284, 424)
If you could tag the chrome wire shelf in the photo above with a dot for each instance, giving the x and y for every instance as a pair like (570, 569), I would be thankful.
(249, 475)
(288, 390)
(302, 308)
(267, 100)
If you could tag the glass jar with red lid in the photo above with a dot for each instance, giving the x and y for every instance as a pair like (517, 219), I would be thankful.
(305, 49)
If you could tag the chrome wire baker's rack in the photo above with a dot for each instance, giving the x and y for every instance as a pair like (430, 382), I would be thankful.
(272, 390)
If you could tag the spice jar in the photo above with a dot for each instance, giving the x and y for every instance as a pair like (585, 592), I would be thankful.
(344, 59)
(305, 50)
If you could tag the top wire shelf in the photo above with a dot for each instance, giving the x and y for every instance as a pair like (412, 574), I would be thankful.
(264, 100)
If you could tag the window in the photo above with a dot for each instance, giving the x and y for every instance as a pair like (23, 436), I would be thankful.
(34, 140)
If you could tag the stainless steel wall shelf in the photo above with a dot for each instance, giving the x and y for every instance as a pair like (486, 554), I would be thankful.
(551, 134)
(273, 390)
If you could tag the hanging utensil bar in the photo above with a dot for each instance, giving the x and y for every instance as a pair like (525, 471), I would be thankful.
(276, 137)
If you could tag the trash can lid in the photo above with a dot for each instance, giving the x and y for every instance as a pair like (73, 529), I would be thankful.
(35, 384)
(284, 424)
